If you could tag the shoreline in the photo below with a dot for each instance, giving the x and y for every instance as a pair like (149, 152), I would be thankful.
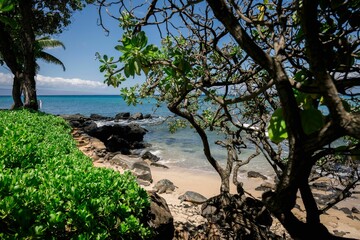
(341, 221)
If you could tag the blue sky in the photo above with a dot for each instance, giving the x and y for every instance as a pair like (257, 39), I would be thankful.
(82, 39)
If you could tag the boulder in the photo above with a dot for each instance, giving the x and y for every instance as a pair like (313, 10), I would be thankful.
(140, 145)
(89, 125)
(193, 197)
(164, 186)
(139, 168)
(123, 161)
(119, 137)
(136, 116)
(132, 132)
(116, 144)
(122, 116)
(147, 116)
(95, 116)
(253, 174)
(160, 218)
(75, 120)
(142, 171)
(148, 155)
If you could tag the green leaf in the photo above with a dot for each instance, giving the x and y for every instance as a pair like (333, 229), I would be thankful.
(126, 70)
(277, 127)
(131, 67)
(137, 67)
(6, 5)
(311, 120)
(142, 39)
(119, 48)
(300, 76)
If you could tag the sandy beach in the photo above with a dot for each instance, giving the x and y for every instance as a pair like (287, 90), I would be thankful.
(338, 221)
(343, 220)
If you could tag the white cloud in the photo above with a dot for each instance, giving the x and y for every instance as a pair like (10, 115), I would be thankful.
(56, 82)
(49, 82)
(5, 79)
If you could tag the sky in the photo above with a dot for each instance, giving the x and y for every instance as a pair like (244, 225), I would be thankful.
(82, 39)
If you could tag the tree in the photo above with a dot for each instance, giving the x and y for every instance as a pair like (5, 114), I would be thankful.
(289, 69)
(45, 43)
(40, 45)
(18, 39)
(8, 52)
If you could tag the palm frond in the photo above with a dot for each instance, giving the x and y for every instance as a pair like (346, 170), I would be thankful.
(47, 42)
(50, 59)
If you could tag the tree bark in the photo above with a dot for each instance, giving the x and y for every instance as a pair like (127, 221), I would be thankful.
(296, 173)
(9, 55)
(29, 83)
(16, 91)
(224, 175)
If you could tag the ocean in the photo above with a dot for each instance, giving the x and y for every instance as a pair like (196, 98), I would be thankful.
(182, 149)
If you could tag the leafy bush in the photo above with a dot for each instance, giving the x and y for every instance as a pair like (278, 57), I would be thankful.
(49, 189)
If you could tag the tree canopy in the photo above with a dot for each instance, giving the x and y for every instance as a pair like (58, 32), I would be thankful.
(20, 23)
(282, 76)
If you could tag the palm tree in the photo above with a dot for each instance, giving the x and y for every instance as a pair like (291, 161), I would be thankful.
(40, 45)
(45, 43)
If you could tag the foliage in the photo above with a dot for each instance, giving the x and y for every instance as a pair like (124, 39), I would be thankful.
(43, 43)
(20, 24)
(49, 189)
(6, 6)
(278, 75)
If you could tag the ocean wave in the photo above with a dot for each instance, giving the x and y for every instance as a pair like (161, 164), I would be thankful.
(154, 120)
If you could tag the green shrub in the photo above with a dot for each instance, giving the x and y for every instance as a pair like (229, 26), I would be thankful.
(50, 190)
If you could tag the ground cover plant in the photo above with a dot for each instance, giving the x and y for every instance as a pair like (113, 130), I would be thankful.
(50, 190)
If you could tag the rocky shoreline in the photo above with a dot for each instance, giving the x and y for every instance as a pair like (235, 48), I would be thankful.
(177, 215)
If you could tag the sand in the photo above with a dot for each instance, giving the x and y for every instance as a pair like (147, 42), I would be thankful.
(208, 184)
(341, 221)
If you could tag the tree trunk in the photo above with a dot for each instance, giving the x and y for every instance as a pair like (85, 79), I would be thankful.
(29, 83)
(10, 57)
(30, 92)
(225, 184)
(16, 91)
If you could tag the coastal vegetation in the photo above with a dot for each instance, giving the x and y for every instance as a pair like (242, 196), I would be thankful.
(23, 26)
(282, 76)
(49, 189)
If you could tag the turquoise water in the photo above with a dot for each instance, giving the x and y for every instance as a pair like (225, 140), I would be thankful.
(182, 149)
(107, 105)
